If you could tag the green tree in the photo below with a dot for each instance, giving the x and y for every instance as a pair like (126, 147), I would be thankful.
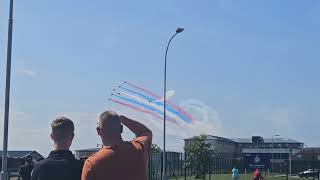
(199, 153)
(155, 148)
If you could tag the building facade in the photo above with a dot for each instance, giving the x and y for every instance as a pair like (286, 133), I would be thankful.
(308, 154)
(223, 147)
(266, 153)
(85, 153)
(17, 158)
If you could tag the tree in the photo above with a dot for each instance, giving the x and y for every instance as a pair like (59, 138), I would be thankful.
(155, 148)
(199, 153)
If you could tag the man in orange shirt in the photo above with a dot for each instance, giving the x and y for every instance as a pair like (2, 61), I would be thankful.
(118, 159)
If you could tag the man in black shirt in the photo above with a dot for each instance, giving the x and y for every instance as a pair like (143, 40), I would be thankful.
(25, 170)
(60, 164)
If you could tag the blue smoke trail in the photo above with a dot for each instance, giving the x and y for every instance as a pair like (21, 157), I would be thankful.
(169, 108)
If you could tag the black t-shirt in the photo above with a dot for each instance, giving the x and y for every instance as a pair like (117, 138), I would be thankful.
(25, 171)
(60, 165)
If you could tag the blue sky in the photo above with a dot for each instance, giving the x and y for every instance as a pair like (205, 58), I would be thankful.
(254, 64)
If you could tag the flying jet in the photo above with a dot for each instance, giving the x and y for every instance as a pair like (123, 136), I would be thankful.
(169, 95)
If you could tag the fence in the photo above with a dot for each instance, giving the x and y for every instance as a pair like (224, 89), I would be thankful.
(176, 165)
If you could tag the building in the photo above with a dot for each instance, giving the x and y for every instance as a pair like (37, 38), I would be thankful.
(223, 147)
(307, 158)
(17, 158)
(308, 154)
(266, 153)
(22, 154)
(84, 153)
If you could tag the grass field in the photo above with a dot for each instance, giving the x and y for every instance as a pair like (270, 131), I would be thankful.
(242, 177)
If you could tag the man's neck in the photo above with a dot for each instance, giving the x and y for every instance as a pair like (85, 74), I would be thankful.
(112, 142)
(58, 147)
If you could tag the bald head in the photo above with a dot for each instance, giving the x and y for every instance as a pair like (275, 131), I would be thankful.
(109, 124)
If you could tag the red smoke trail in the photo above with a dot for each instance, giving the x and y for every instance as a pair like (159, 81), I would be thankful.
(145, 90)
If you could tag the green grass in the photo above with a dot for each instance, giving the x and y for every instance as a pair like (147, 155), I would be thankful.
(242, 177)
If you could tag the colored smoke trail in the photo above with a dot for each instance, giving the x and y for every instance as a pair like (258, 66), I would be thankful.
(136, 93)
(169, 110)
(144, 90)
(159, 104)
(136, 108)
(154, 95)
(146, 107)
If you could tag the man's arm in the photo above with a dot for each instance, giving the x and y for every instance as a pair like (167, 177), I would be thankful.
(136, 127)
(88, 172)
(141, 131)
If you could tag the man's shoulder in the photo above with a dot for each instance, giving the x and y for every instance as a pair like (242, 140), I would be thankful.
(51, 161)
(42, 162)
(102, 154)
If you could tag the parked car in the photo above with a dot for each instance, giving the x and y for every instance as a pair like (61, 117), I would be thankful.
(309, 173)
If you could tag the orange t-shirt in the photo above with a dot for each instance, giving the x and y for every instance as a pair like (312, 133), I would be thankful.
(126, 161)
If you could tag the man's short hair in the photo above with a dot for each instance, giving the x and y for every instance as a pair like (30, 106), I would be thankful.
(61, 128)
(109, 121)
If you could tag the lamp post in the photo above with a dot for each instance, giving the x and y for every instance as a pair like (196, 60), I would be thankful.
(276, 135)
(179, 30)
(290, 160)
(280, 168)
(313, 171)
(4, 171)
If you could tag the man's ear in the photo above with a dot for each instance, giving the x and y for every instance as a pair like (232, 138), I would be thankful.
(98, 131)
(52, 137)
(121, 128)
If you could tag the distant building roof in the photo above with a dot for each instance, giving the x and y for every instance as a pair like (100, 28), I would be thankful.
(22, 154)
(267, 140)
(211, 137)
(249, 140)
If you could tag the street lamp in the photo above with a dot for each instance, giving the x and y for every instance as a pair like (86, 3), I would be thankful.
(280, 158)
(4, 171)
(179, 30)
(276, 135)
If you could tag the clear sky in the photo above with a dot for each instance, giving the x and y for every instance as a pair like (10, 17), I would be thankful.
(250, 67)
